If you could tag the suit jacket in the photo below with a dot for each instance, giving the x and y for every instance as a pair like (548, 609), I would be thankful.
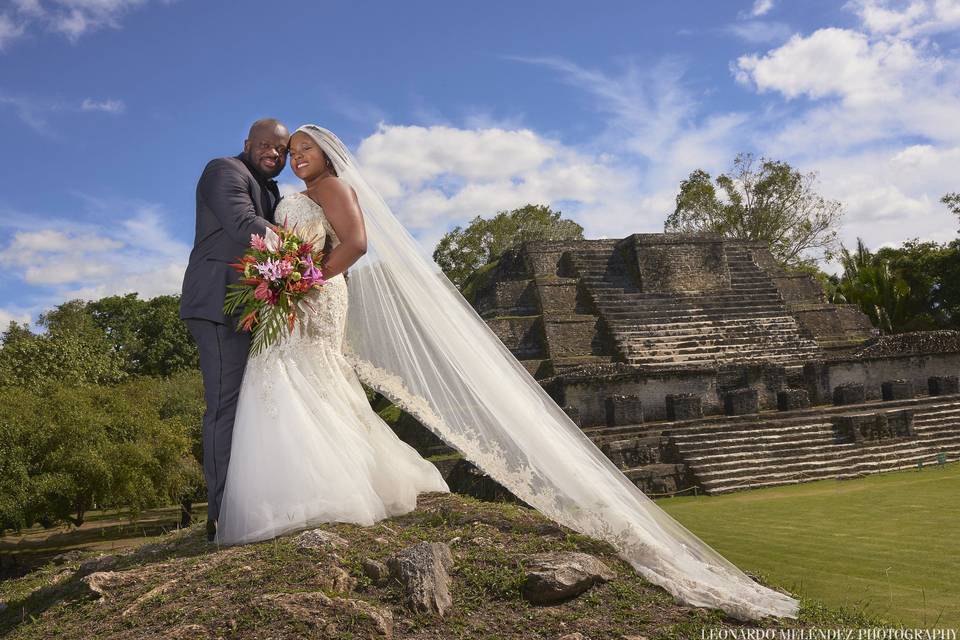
(230, 207)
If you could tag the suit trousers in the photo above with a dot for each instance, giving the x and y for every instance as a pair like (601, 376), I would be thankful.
(223, 358)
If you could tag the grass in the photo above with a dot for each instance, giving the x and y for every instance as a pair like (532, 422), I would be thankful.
(886, 544)
(178, 586)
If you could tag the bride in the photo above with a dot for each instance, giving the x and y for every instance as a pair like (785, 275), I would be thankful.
(308, 448)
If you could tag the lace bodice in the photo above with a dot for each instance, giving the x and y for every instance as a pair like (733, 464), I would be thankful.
(299, 210)
(322, 323)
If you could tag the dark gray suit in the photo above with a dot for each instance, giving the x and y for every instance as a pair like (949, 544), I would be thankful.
(231, 205)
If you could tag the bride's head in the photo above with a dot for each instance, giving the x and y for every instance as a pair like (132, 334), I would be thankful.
(307, 158)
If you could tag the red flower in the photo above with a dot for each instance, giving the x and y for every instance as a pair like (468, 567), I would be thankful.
(249, 320)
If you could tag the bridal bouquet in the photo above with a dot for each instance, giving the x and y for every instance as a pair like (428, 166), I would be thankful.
(275, 278)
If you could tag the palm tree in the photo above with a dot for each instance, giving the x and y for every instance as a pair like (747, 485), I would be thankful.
(872, 285)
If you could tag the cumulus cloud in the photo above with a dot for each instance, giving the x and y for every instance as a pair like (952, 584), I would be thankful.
(437, 177)
(907, 19)
(69, 18)
(861, 98)
(61, 260)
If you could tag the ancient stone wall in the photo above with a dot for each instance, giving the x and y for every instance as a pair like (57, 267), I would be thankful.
(822, 377)
(668, 263)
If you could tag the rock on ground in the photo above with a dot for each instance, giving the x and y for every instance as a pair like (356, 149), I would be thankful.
(318, 610)
(319, 539)
(556, 576)
(423, 569)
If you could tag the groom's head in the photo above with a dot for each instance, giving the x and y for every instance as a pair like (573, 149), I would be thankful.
(266, 146)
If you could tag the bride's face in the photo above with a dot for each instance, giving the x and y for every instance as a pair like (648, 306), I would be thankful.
(306, 158)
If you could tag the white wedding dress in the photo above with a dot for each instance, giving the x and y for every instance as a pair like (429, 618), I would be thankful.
(307, 446)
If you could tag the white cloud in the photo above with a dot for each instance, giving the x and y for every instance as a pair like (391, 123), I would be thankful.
(907, 19)
(61, 260)
(761, 7)
(9, 31)
(107, 106)
(759, 31)
(859, 100)
(69, 18)
(441, 176)
(8, 315)
(836, 62)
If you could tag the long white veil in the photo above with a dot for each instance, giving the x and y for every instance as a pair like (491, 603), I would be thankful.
(411, 336)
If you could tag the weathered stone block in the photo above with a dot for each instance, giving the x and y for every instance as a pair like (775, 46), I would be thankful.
(623, 409)
(741, 401)
(875, 427)
(943, 385)
(684, 406)
(790, 399)
(901, 423)
(630, 453)
(849, 393)
(897, 390)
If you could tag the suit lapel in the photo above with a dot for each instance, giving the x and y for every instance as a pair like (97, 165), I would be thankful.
(256, 193)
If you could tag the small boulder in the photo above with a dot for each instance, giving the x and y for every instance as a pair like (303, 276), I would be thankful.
(100, 563)
(376, 571)
(423, 569)
(67, 557)
(556, 576)
(319, 539)
(576, 635)
(104, 584)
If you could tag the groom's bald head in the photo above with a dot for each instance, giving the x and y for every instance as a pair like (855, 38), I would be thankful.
(266, 146)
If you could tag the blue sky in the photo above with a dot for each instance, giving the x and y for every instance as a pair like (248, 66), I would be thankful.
(111, 108)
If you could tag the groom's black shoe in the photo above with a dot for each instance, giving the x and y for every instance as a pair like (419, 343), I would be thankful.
(211, 530)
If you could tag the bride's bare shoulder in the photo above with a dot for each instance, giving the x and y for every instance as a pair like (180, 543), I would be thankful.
(336, 189)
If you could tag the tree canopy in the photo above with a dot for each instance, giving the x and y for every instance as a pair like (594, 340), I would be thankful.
(461, 252)
(767, 201)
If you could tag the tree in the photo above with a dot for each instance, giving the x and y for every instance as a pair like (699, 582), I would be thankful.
(69, 359)
(461, 252)
(67, 450)
(952, 200)
(148, 334)
(880, 292)
(771, 203)
(16, 331)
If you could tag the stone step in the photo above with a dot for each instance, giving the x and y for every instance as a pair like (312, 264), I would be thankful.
(841, 453)
(647, 315)
(690, 339)
(706, 450)
(709, 353)
(731, 356)
(747, 309)
(634, 327)
(815, 453)
(633, 297)
(839, 473)
(923, 406)
(682, 339)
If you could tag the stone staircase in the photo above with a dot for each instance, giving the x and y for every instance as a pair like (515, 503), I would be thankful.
(725, 454)
(747, 322)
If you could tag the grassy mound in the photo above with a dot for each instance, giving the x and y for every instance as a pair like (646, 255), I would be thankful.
(182, 587)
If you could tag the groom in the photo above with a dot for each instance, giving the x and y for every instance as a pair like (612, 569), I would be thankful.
(236, 197)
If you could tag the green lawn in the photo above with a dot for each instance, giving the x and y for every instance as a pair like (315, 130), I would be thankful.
(887, 543)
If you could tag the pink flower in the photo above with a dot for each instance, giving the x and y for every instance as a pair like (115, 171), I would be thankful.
(257, 242)
(263, 292)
